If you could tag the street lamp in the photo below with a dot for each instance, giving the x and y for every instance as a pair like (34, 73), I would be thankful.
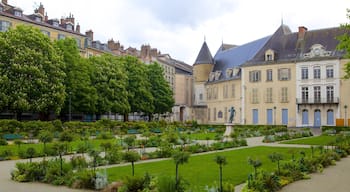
(345, 117)
(274, 114)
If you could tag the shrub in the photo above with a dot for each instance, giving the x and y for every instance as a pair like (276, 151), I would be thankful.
(84, 179)
(78, 162)
(3, 141)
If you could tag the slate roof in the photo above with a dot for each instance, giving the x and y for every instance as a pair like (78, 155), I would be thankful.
(236, 56)
(204, 56)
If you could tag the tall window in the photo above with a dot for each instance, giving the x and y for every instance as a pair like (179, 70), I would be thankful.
(317, 94)
(233, 91)
(269, 75)
(200, 96)
(46, 32)
(208, 114)
(330, 72)
(269, 95)
(304, 73)
(225, 91)
(214, 117)
(4, 25)
(61, 36)
(284, 95)
(317, 72)
(284, 74)
(78, 42)
(330, 94)
(254, 76)
(305, 94)
(255, 98)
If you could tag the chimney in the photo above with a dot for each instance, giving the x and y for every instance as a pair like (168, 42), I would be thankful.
(4, 2)
(41, 9)
(301, 32)
(63, 21)
(90, 34)
(77, 29)
(46, 17)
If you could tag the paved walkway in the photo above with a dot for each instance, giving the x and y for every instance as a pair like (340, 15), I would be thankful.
(334, 178)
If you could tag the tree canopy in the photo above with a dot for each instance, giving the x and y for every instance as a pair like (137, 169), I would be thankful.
(344, 44)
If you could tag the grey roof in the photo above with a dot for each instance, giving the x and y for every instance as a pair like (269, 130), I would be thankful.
(204, 56)
(236, 56)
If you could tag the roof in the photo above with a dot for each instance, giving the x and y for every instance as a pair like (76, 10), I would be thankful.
(236, 56)
(204, 56)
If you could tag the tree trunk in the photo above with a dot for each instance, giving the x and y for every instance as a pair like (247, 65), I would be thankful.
(150, 117)
(18, 115)
(132, 167)
(176, 176)
(126, 117)
(221, 178)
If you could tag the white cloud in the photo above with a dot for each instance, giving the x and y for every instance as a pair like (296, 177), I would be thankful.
(178, 27)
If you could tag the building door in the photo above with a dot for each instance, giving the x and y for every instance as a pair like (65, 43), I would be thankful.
(317, 118)
(269, 116)
(255, 116)
(305, 117)
(284, 116)
(330, 117)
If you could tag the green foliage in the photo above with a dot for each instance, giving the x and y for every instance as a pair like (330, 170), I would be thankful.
(83, 179)
(344, 43)
(78, 162)
(31, 71)
(131, 156)
(3, 141)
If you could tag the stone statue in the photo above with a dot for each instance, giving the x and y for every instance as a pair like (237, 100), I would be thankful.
(232, 114)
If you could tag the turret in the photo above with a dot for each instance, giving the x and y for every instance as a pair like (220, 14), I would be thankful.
(203, 64)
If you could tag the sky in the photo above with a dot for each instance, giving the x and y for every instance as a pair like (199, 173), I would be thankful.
(179, 27)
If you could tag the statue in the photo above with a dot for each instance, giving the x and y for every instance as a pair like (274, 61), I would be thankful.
(232, 114)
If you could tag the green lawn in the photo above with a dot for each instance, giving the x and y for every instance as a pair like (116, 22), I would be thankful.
(319, 140)
(201, 170)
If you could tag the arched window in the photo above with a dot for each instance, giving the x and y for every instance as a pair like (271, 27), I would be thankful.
(220, 114)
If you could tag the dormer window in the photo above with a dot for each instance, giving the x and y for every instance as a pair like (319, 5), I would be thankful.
(1, 8)
(69, 27)
(18, 13)
(211, 76)
(229, 72)
(217, 75)
(269, 55)
(38, 19)
(317, 50)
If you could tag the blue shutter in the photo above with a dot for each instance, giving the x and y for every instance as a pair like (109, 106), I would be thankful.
(285, 116)
(269, 116)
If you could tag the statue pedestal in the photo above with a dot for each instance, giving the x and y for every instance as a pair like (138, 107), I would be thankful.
(229, 129)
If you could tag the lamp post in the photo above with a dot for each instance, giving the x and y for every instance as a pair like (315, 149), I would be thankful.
(70, 106)
(274, 115)
(345, 116)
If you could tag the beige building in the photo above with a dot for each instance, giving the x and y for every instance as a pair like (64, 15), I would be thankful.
(289, 78)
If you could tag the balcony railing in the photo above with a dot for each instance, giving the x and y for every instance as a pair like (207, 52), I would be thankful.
(333, 100)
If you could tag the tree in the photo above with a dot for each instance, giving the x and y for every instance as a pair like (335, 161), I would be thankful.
(160, 90)
(276, 157)
(67, 137)
(31, 153)
(180, 158)
(221, 161)
(255, 163)
(344, 43)
(129, 141)
(60, 150)
(106, 146)
(81, 95)
(139, 88)
(94, 154)
(18, 142)
(110, 81)
(131, 156)
(31, 72)
(45, 137)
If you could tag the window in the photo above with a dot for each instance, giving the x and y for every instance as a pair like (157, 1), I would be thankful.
(254, 76)
(18, 13)
(317, 94)
(200, 96)
(78, 42)
(4, 25)
(269, 95)
(317, 72)
(38, 19)
(330, 94)
(69, 27)
(55, 24)
(330, 117)
(284, 95)
(305, 94)
(255, 98)
(220, 114)
(225, 91)
(284, 74)
(61, 36)
(46, 32)
(214, 114)
(1, 9)
(330, 72)
(208, 114)
(233, 91)
(225, 114)
(304, 73)
(269, 75)
(305, 117)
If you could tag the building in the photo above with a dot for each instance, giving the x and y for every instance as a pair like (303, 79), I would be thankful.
(289, 78)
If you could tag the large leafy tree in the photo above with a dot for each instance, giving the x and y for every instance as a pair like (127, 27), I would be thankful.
(344, 44)
(139, 87)
(160, 89)
(81, 96)
(31, 72)
(110, 80)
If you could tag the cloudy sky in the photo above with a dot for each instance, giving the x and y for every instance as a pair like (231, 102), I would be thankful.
(179, 27)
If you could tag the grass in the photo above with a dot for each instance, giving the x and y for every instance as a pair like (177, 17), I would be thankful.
(203, 136)
(319, 140)
(201, 170)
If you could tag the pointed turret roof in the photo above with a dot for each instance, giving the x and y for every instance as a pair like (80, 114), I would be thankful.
(204, 56)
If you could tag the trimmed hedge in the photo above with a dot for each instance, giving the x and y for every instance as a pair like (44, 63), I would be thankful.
(337, 129)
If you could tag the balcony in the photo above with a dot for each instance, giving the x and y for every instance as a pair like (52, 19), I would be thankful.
(334, 100)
